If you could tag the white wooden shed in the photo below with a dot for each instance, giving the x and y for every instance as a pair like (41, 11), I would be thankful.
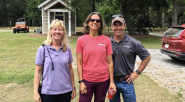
(55, 9)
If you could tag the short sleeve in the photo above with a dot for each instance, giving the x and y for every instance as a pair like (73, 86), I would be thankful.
(142, 51)
(109, 47)
(79, 46)
(40, 56)
(70, 56)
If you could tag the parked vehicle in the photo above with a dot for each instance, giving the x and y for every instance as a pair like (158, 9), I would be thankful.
(173, 42)
(20, 26)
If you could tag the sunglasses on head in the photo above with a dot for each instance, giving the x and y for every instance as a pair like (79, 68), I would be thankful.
(97, 20)
(119, 15)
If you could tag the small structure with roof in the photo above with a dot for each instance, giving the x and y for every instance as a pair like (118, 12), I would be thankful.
(56, 9)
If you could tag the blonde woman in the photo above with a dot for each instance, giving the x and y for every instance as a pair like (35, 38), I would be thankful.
(54, 63)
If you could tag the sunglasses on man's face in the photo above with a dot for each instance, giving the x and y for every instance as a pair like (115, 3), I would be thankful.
(119, 15)
(97, 20)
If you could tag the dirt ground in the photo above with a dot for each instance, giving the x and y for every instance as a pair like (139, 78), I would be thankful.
(37, 35)
(13, 92)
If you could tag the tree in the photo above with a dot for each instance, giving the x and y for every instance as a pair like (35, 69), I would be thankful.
(159, 13)
(181, 15)
(83, 8)
(3, 13)
(108, 11)
(80, 4)
(11, 10)
(131, 8)
(32, 13)
(175, 11)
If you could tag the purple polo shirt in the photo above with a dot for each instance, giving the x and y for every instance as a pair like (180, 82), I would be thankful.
(55, 81)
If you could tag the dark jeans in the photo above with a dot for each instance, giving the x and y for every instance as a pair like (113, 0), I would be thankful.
(98, 88)
(66, 97)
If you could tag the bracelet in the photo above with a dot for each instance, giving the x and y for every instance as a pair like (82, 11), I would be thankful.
(74, 88)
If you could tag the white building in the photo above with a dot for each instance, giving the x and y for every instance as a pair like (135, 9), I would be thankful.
(55, 9)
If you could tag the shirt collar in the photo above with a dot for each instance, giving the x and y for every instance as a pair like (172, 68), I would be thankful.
(50, 47)
(125, 38)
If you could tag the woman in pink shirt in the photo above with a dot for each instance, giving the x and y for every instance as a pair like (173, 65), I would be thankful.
(94, 60)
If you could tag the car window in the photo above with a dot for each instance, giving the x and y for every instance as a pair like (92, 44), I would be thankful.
(173, 31)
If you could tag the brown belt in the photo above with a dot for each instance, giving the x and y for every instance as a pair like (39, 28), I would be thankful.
(121, 78)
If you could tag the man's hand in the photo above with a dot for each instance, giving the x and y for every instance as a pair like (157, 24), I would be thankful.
(132, 77)
(83, 88)
(113, 86)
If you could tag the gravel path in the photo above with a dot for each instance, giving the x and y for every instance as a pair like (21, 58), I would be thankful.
(165, 71)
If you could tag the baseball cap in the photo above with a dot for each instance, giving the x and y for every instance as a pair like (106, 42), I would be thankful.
(118, 17)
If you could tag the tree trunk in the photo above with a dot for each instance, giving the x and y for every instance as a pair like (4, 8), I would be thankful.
(93, 7)
(162, 21)
(175, 12)
(125, 12)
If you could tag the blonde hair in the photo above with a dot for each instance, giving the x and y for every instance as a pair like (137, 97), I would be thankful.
(57, 23)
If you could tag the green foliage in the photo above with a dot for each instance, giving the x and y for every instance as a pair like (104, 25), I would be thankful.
(32, 12)
(80, 17)
(156, 9)
(11, 10)
(107, 10)
(83, 9)
(133, 9)
(160, 5)
(170, 13)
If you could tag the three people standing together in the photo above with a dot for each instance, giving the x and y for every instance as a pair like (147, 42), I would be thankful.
(102, 63)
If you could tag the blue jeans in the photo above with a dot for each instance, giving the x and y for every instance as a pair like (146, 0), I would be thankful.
(127, 91)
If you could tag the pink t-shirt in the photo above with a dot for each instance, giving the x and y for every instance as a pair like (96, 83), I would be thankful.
(94, 52)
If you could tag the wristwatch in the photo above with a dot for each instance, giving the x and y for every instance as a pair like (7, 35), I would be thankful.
(138, 72)
(81, 81)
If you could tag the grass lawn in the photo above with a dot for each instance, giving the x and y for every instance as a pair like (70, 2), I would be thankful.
(152, 43)
(17, 66)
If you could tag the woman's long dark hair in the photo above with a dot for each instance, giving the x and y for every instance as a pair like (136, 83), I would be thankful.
(86, 29)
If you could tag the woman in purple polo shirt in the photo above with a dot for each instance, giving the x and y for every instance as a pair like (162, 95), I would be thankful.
(57, 74)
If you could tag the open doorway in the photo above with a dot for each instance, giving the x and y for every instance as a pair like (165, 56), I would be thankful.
(59, 17)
